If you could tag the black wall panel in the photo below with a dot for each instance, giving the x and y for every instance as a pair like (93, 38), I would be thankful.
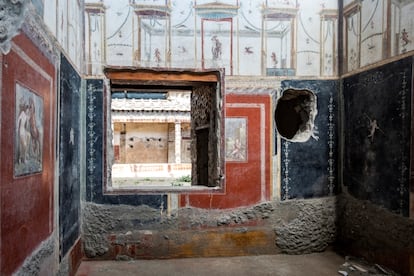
(309, 169)
(95, 154)
(377, 135)
(69, 156)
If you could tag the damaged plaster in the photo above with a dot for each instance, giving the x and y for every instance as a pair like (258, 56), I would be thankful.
(300, 226)
(37, 262)
(12, 13)
(312, 230)
(295, 115)
(375, 233)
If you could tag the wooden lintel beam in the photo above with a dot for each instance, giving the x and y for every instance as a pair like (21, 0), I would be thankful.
(160, 76)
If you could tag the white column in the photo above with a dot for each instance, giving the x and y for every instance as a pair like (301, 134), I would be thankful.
(177, 142)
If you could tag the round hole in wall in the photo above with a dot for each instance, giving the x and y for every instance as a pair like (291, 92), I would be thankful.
(295, 114)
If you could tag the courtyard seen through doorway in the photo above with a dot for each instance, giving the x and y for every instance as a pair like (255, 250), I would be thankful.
(151, 138)
(164, 130)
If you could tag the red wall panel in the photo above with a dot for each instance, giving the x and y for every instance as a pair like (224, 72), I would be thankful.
(26, 201)
(248, 182)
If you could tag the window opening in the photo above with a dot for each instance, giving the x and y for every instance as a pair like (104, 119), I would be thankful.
(164, 135)
(150, 137)
(295, 115)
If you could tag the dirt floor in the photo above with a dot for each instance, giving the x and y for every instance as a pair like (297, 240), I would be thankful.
(327, 263)
(320, 264)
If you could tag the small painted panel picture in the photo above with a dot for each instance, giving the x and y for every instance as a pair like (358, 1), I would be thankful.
(236, 139)
(28, 132)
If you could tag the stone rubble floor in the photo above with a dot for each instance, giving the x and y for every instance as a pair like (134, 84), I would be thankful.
(355, 267)
(327, 263)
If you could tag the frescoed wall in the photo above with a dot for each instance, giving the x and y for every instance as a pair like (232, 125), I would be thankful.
(403, 34)
(96, 152)
(309, 168)
(274, 188)
(64, 19)
(377, 141)
(95, 50)
(374, 221)
(28, 135)
(28, 162)
(276, 38)
(247, 170)
(69, 156)
(376, 30)
(250, 38)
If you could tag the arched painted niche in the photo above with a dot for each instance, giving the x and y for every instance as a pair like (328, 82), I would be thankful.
(295, 114)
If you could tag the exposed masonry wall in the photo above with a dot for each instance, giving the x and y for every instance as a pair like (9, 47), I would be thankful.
(300, 226)
(64, 269)
(295, 114)
(311, 230)
(378, 235)
(41, 262)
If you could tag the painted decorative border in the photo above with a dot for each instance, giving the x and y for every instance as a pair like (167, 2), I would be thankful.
(91, 133)
(331, 146)
(286, 178)
(403, 189)
(261, 107)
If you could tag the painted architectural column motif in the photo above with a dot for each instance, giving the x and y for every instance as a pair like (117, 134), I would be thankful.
(177, 142)
(352, 36)
(283, 22)
(328, 56)
(153, 42)
(95, 42)
(122, 144)
(217, 34)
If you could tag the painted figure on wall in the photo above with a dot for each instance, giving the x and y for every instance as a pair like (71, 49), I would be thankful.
(373, 127)
(216, 50)
(236, 139)
(23, 133)
(157, 56)
(28, 132)
(404, 38)
(274, 59)
(34, 130)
